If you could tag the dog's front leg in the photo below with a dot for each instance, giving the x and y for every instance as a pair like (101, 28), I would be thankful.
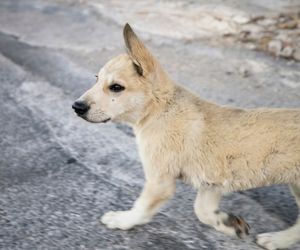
(207, 210)
(156, 191)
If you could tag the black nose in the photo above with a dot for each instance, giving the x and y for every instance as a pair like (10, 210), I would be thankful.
(80, 107)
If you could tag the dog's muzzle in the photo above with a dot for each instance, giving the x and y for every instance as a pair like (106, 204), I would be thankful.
(80, 107)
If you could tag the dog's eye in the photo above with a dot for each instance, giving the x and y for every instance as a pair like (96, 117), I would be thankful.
(115, 87)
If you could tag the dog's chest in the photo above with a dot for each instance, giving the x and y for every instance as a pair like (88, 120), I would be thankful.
(179, 161)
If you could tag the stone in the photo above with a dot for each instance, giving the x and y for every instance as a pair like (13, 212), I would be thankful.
(244, 71)
(296, 54)
(266, 22)
(241, 19)
(275, 47)
(293, 24)
(253, 28)
(250, 46)
(287, 52)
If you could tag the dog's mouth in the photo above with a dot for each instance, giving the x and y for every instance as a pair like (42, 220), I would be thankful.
(106, 120)
(87, 118)
(97, 121)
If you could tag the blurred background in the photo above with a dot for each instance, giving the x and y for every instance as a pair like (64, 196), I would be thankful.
(59, 174)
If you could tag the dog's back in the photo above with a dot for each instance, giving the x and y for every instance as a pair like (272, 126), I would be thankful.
(229, 148)
(259, 147)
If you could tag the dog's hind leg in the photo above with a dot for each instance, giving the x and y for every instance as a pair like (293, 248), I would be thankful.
(285, 238)
(207, 210)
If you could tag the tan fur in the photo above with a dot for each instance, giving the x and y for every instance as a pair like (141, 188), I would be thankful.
(216, 149)
(222, 147)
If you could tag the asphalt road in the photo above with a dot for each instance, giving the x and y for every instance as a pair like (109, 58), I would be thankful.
(59, 174)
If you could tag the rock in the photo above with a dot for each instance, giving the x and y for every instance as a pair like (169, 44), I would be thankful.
(293, 24)
(284, 37)
(250, 46)
(264, 42)
(244, 36)
(256, 19)
(253, 28)
(245, 72)
(275, 47)
(241, 19)
(287, 52)
(71, 160)
(296, 54)
(266, 22)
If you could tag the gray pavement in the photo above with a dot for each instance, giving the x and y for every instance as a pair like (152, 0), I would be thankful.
(59, 174)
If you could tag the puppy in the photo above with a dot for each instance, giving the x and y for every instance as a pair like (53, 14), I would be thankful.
(214, 148)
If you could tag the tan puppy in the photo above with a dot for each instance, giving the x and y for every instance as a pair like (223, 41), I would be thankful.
(216, 149)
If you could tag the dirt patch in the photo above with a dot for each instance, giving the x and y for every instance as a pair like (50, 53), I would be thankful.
(278, 34)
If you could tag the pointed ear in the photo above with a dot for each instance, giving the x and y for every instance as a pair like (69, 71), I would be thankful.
(142, 59)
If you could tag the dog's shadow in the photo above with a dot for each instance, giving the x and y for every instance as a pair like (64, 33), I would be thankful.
(277, 201)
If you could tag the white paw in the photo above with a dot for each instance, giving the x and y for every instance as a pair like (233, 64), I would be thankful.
(122, 219)
(273, 241)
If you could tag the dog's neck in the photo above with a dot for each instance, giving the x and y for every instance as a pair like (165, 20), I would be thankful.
(160, 101)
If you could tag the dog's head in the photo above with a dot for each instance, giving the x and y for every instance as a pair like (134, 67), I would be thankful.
(126, 86)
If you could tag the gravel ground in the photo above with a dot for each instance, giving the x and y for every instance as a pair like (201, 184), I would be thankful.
(59, 174)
